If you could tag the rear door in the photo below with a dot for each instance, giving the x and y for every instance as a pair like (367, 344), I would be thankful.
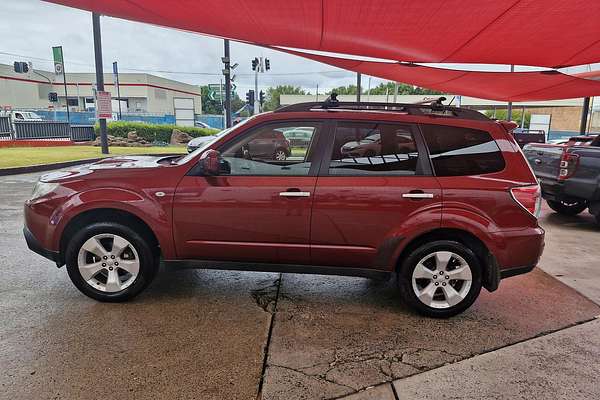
(366, 205)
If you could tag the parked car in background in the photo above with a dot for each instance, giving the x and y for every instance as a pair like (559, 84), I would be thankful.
(526, 136)
(299, 137)
(200, 124)
(24, 116)
(449, 205)
(202, 140)
(371, 145)
(569, 174)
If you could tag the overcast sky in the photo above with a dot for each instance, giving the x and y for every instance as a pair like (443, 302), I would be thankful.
(29, 29)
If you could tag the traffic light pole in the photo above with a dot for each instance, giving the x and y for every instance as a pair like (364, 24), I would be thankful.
(584, 115)
(99, 77)
(227, 85)
(256, 108)
(358, 87)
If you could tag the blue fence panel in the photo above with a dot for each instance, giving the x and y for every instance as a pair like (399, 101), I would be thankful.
(214, 121)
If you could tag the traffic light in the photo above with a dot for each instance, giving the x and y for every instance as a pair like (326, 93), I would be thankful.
(261, 98)
(250, 97)
(53, 97)
(267, 64)
(21, 67)
(254, 64)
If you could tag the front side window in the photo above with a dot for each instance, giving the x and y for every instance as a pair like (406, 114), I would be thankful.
(457, 151)
(373, 148)
(267, 150)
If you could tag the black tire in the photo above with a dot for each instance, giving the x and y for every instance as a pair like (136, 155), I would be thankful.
(370, 153)
(568, 207)
(410, 263)
(148, 260)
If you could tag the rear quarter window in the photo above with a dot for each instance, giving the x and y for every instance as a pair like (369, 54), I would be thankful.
(456, 151)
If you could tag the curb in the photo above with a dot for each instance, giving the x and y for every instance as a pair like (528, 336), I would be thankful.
(45, 167)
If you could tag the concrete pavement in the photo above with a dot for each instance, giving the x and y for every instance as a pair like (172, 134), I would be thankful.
(203, 334)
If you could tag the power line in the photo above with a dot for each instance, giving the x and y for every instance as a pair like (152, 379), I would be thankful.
(160, 71)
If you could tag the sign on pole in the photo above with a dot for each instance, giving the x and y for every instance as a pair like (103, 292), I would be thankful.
(58, 60)
(103, 105)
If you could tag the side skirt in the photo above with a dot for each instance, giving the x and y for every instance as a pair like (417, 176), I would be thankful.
(284, 268)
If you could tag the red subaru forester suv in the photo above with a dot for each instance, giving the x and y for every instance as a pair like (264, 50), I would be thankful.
(446, 201)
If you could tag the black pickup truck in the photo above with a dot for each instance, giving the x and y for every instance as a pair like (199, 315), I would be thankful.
(569, 174)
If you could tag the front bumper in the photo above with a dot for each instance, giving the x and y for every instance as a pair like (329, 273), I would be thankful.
(35, 246)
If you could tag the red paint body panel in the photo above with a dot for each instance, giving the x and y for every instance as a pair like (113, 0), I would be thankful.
(359, 221)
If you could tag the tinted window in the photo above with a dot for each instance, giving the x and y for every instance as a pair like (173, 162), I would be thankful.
(373, 149)
(458, 151)
(266, 151)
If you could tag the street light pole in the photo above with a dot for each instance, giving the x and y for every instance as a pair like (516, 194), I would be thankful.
(99, 77)
(256, 107)
(584, 115)
(116, 74)
(509, 111)
(227, 73)
(358, 89)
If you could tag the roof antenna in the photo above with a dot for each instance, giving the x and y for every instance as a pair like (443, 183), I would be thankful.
(331, 101)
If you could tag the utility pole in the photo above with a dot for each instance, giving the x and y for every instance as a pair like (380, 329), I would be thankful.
(584, 115)
(395, 92)
(227, 72)
(59, 60)
(99, 77)
(116, 79)
(358, 89)
(509, 111)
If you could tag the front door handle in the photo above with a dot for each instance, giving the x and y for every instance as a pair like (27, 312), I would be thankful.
(294, 193)
(417, 195)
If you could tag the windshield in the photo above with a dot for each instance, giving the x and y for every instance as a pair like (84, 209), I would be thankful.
(209, 143)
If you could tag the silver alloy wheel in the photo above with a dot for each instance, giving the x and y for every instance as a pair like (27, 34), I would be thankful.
(280, 155)
(108, 262)
(442, 279)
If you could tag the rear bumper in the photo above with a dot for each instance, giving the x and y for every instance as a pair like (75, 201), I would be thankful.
(552, 190)
(35, 246)
(518, 252)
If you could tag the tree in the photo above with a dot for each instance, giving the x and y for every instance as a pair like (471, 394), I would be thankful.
(515, 116)
(383, 88)
(273, 95)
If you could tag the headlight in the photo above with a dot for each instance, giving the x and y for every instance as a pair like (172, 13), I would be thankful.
(42, 189)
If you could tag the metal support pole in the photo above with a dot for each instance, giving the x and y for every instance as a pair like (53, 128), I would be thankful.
(523, 118)
(509, 111)
(227, 85)
(395, 92)
(584, 115)
(116, 73)
(65, 85)
(99, 77)
(358, 87)
(255, 106)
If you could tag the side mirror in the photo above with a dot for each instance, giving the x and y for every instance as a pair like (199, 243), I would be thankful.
(209, 162)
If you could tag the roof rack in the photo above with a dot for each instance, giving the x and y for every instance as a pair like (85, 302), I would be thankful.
(433, 107)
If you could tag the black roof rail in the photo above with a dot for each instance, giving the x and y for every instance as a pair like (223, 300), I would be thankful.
(428, 107)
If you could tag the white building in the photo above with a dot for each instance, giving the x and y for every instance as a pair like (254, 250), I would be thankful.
(139, 93)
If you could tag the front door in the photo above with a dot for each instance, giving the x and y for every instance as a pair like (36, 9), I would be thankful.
(259, 211)
(375, 189)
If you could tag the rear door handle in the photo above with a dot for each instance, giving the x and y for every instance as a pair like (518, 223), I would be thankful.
(418, 195)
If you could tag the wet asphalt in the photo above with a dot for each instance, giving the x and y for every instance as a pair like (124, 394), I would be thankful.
(203, 334)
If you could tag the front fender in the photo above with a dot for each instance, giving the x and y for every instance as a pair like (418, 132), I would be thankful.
(156, 213)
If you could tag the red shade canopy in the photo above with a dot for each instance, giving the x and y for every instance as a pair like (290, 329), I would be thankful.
(547, 33)
(504, 86)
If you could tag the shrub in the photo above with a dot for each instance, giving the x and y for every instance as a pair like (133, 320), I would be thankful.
(152, 132)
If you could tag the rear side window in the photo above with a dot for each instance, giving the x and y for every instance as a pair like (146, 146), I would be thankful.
(456, 151)
(372, 148)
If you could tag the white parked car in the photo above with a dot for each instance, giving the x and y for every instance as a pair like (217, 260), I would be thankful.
(25, 116)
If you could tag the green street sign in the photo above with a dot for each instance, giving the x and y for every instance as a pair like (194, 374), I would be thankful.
(215, 90)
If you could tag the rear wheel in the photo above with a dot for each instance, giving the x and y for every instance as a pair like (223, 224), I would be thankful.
(568, 207)
(280, 154)
(110, 262)
(440, 279)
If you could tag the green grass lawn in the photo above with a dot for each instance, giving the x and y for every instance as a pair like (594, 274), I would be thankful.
(25, 156)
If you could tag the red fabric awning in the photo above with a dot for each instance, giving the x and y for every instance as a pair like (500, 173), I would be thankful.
(548, 33)
(504, 86)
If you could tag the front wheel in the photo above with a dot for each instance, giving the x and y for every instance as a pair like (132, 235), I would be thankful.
(110, 262)
(280, 155)
(440, 279)
(571, 207)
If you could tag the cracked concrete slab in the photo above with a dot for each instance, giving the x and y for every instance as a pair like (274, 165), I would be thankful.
(353, 333)
(191, 335)
(561, 365)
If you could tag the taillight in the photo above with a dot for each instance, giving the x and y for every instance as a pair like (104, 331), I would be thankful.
(568, 165)
(529, 197)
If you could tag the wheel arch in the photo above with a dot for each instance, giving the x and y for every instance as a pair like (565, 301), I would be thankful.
(491, 273)
(106, 215)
